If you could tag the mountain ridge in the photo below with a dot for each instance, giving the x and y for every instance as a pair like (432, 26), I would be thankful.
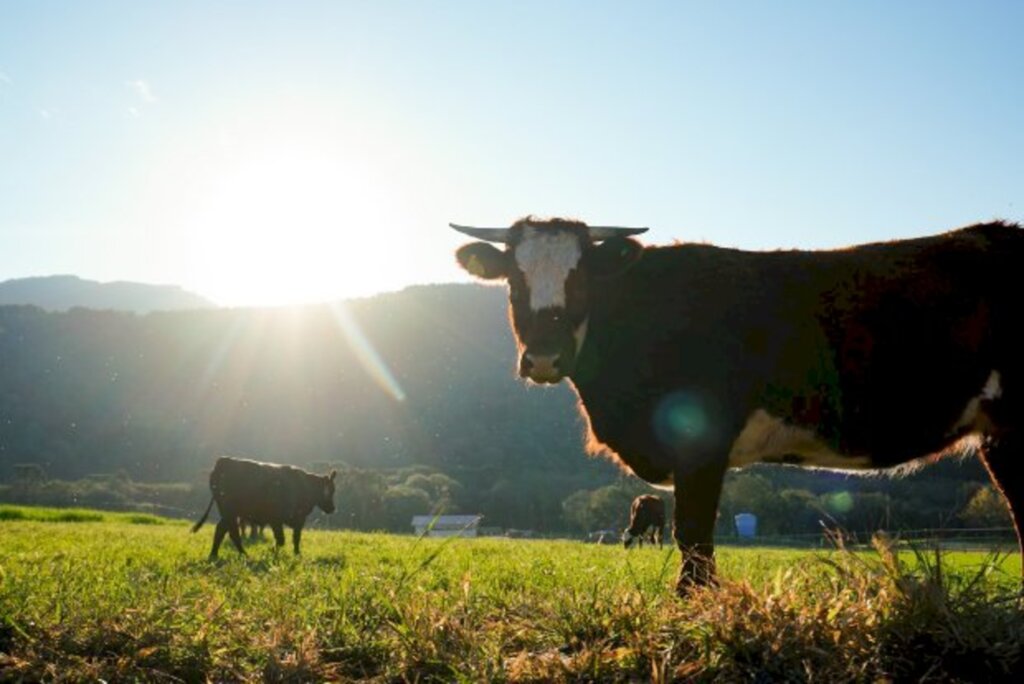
(63, 292)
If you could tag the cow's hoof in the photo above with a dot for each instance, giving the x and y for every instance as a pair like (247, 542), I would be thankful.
(686, 586)
(694, 578)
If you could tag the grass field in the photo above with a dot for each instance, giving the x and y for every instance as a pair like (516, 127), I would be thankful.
(87, 595)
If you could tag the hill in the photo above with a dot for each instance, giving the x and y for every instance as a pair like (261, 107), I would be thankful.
(423, 377)
(63, 292)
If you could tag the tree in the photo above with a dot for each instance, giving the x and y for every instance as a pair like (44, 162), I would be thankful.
(576, 511)
(29, 473)
(987, 508)
(444, 491)
(800, 512)
(603, 508)
(359, 500)
(401, 503)
(747, 492)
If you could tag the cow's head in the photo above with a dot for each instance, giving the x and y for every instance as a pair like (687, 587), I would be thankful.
(551, 267)
(627, 538)
(326, 493)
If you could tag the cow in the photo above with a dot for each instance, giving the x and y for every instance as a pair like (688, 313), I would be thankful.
(690, 359)
(646, 521)
(264, 494)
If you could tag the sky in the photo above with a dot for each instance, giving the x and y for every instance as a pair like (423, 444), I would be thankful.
(263, 153)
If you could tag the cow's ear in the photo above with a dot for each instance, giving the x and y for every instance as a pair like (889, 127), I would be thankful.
(483, 260)
(333, 474)
(613, 256)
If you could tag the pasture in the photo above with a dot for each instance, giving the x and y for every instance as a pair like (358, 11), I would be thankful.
(120, 597)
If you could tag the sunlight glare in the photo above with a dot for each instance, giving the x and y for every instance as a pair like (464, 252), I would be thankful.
(291, 226)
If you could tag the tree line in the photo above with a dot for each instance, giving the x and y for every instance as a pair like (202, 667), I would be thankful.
(372, 500)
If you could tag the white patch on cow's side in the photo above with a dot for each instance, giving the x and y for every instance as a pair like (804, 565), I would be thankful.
(766, 438)
(972, 418)
(993, 388)
(667, 485)
(580, 334)
(546, 258)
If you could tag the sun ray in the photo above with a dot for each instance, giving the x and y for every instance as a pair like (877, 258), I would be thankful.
(366, 352)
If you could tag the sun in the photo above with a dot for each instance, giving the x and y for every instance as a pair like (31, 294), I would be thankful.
(293, 225)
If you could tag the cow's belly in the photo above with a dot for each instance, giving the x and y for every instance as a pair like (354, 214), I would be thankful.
(767, 439)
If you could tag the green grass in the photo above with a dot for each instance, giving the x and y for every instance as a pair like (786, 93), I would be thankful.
(108, 599)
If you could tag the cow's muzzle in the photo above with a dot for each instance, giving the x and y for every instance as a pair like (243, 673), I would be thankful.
(545, 369)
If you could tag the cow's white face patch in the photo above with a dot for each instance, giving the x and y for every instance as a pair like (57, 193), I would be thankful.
(546, 259)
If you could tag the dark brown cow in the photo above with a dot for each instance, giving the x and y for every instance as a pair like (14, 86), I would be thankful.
(646, 521)
(264, 494)
(691, 359)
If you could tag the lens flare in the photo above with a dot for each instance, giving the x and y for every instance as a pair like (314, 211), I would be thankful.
(366, 353)
(680, 419)
(839, 502)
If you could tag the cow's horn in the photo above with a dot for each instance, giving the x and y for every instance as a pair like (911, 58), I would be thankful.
(489, 234)
(598, 233)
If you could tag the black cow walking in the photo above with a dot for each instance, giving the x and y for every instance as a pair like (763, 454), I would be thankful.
(691, 359)
(646, 521)
(264, 494)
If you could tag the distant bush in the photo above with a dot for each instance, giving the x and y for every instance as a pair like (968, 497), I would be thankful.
(109, 492)
(144, 520)
(75, 515)
(49, 514)
(9, 513)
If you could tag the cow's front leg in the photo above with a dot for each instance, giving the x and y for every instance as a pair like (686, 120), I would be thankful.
(278, 529)
(697, 489)
(296, 537)
(1002, 456)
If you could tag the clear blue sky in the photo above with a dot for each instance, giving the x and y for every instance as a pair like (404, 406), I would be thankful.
(273, 152)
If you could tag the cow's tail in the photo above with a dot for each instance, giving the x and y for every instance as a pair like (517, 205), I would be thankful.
(195, 528)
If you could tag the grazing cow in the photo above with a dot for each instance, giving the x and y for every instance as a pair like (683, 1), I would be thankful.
(264, 494)
(690, 359)
(646, 520)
